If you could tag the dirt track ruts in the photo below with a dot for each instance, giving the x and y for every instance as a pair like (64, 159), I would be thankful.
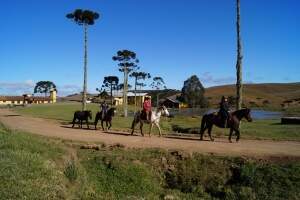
(52, 128)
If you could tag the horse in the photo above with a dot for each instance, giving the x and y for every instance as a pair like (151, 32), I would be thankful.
(80, 116)
(208, 120)
(155, 118)
(107, 118)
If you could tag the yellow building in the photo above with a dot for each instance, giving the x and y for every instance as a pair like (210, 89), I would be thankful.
(140, 97)
(28, 99)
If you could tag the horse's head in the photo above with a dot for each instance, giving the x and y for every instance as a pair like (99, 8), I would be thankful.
(89, 114)
(164, 111)
(248, 114)
(113, 111)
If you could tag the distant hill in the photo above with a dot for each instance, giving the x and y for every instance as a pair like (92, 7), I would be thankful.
(273, 94)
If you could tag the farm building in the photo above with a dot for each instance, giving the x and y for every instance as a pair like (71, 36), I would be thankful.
(140, 97)
(28, 99)
(172, 102)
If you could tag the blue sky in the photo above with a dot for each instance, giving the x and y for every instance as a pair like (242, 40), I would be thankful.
(172, 38)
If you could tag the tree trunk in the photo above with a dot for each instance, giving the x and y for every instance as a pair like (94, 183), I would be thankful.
(135, 94)
(111, 94)
(85, 69)
(239, 86)
(125, 91)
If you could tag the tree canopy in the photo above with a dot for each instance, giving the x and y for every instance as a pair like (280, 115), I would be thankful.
(82, 17)
(110, 82)
(127, 60)
(193, 91)
(44, 87)
(158, 83)
(121, 86)
(127, 63)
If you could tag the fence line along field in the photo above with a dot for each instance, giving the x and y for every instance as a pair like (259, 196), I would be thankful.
(258, 129)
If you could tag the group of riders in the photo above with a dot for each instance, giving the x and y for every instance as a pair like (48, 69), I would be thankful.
(146, 108)
(146, 112)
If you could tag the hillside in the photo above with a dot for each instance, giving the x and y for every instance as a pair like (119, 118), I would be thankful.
(272, 94)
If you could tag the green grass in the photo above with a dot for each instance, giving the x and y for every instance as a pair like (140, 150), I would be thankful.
(260, 129)
(27, 167)
(34, 167)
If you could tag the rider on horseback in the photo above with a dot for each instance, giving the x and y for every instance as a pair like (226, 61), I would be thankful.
(104, 108)
(224, 110)
(147, 108)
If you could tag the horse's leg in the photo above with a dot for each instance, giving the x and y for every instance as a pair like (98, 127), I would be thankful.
(73, 122)
(81, 123)
(202, 132)
(102, 124)
(87, 123)
(110, 124)
(159, 130)
(150, 129)
(141, 127)
(96, 122)
(209, 132)
(133, 126)
(237, 135)
(106, 122)
(230, 134)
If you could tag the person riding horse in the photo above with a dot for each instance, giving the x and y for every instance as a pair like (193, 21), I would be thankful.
(147, 108)
(224, 111)
(104, 107)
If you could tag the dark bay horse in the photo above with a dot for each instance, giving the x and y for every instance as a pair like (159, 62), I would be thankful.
(107, 118)
(209, 120)
(81, 116)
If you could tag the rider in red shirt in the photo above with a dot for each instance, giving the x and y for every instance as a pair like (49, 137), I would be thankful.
(147, 107)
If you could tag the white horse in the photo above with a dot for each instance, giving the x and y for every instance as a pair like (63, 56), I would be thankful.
(155, 118)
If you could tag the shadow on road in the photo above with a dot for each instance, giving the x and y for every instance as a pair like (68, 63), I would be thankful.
(11, 115)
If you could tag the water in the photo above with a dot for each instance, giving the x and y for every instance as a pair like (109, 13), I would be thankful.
(263, 114)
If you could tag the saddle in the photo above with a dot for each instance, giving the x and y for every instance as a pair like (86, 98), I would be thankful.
(225, 122)
(144, 115)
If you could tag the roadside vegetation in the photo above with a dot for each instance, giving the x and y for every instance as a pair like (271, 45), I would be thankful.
(258, 129)
(34, 167)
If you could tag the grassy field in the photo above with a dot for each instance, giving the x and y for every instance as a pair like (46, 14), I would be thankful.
(34, 167)
(260, 129)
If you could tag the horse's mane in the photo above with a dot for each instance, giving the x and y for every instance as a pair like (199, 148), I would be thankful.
(111, 109)
(237, 112)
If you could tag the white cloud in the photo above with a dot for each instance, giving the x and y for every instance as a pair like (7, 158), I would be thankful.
(67, 89)
(27, 87)
(16, 88)
(208, 79)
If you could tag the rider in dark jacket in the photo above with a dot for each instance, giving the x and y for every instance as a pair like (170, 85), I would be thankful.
(104, 108)
(224, 110)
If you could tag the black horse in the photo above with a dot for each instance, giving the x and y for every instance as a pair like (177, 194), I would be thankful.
(233, 123)
(80, 116)
(107, 118)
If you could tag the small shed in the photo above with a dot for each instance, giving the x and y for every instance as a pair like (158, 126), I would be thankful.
(171, 103)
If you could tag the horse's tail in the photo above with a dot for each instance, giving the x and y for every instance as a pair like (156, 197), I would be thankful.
(203, 122)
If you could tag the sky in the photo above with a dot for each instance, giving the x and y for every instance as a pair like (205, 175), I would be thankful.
(174, 39)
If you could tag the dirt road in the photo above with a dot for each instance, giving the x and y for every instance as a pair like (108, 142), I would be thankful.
(51, 128)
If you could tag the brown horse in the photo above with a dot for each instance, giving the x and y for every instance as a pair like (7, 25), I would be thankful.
(209, 120)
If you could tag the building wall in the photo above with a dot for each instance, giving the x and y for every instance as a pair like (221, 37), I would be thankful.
(11, 102)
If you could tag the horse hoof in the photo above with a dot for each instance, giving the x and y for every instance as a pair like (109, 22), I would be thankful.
(230, 141)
